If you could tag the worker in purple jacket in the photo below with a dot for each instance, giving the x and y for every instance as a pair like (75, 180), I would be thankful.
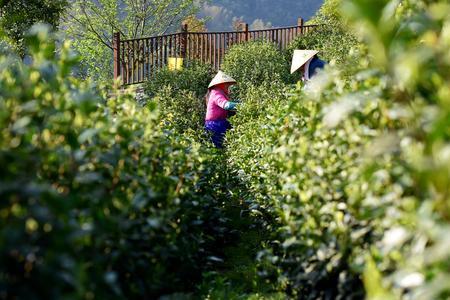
(219, 107)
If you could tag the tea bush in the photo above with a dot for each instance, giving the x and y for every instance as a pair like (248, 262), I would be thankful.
(180, 96)
(182, 111)
(355, 168)
(296, 168)
(98, 200)
(409, 186)
(256, 63)
(194, 77)
(334, 38)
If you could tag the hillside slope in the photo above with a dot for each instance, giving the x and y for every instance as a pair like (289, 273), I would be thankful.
(258, 13)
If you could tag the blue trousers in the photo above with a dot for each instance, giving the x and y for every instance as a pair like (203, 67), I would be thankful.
(217, 128)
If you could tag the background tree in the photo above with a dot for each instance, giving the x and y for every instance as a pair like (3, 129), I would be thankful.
(195, 24)
(91, 24)
(17, 16)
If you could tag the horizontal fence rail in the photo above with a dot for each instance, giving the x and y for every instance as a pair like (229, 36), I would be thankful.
(137, 60)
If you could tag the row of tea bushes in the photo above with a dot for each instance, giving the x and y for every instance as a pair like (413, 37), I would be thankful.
(298, 169)
(180, 96)
(98, 199)
(355, 168)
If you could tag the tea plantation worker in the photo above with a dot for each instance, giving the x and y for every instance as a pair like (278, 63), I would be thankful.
(219, 107)
(308, 62)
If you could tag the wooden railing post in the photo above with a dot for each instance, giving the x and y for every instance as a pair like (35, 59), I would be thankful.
(116, 55)
(301, 24)
(184, 39)
(246, 32)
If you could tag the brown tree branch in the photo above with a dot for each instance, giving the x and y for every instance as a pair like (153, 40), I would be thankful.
(92, 29)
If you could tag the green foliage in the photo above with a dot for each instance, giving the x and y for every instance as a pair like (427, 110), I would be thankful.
(194, 77)
(411, 158)
(355, 168)
(91, 23)
(17, 17)
(256, 63)
(297, 169)
(180, 95)
(240, 275)
(98, 200)
(182, 111)
(333, 38)
(338, 189)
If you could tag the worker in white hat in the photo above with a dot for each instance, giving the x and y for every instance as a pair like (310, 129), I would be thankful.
(219, 107)
(308, 62)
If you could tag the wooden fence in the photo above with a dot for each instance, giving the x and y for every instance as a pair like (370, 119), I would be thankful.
(136, 60)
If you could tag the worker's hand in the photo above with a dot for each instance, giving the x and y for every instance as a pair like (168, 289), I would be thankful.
(230, 105)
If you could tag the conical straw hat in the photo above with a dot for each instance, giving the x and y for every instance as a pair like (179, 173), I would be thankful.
(221, 77)
(300, 58)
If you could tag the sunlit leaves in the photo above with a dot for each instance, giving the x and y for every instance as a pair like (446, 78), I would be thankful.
(17, 17)
(255, 63)
(97, 197)
(90, 24)
(376, 141)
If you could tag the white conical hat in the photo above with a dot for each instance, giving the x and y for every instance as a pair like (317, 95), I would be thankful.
(300, 58)
(221, 77)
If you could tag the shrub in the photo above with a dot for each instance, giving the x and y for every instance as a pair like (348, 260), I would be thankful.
(97, 199)
(298, 170)
(355, 169)
(255, 63)
(182, 111)
(332, 42)
(333, 38)
(180, 96)
(194, 77)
